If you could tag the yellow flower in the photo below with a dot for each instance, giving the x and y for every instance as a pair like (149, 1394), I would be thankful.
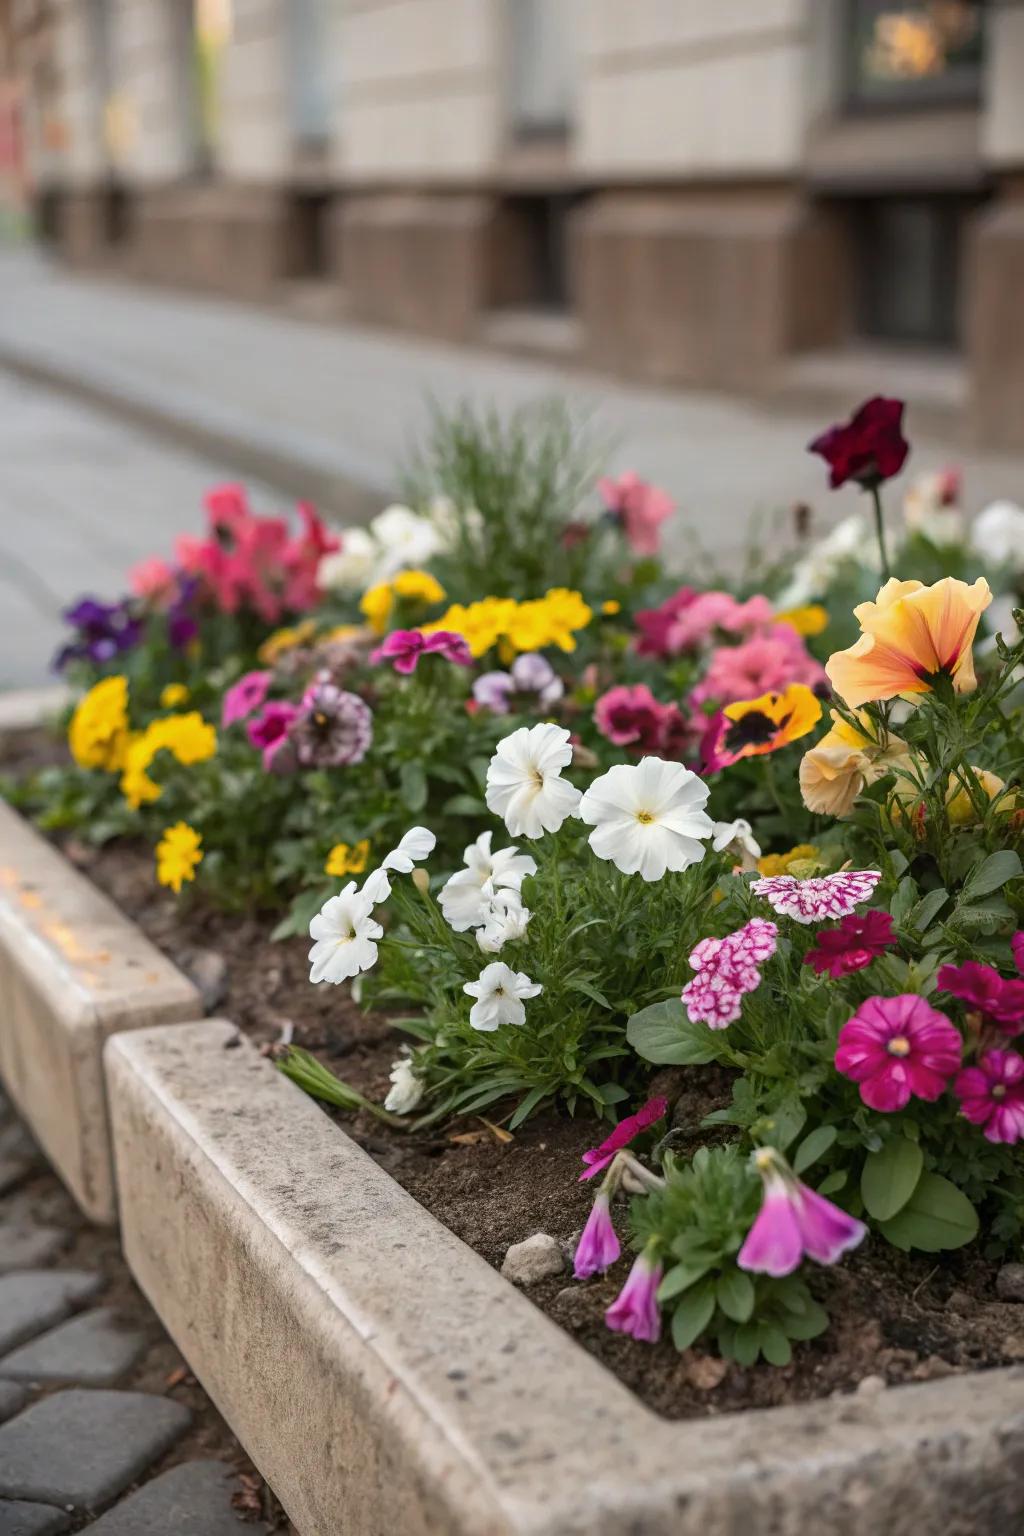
(341, 633)
(752, 727)
(376, 604)
(530, 628)
(187, 737)
(567, 613)
(911, 636)
(173, 695)
(418, 586)
(810, 620)
(178, 853)
(480, 625)
(961, 808)
(343, 860)
(779, 863)
(98, 735)
(287, 639)
(610, 606)
(846, 759)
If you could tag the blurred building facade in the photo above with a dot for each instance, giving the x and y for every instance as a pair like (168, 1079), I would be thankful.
(684, 191)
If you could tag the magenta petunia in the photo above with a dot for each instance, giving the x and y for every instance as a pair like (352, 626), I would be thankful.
(1017, 945)
(245, 696)
(726, 970)
(819, 899)
(635, 1310)
(598, 1247)
(858, 940)
(268, 731)
(598, 1158)
(991, 1094)
(404, 647)
(793, 1222)
(898, 1048)
(983, 989)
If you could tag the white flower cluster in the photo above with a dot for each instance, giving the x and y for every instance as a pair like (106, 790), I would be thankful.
(397, 539)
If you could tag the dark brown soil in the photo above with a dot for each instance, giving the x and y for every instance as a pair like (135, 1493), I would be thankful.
(894, 1317)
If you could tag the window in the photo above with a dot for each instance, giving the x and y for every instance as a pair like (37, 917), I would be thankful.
(914, 52)
(910, 268)
(542, 66)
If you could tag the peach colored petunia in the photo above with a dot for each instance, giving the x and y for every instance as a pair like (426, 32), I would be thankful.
(911, 634)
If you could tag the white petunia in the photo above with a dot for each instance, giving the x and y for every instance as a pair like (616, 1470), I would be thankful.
(377, 887)
(407, 1089)
(812, 575)
(405, 539)
(997, 534)
(739, 835)
(524, 782)
(350, 568)
(345, 933)
(648, 817)
(466, 897)
(417, 844)
(499, 994)
(505, 922)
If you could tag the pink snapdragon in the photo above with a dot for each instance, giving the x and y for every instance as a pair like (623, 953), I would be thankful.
(794, 1222)
(820, 899)
(991, 1094)
(404, 647)
(598, 1158)
(635, 1310)
(898, 1048)
(598, 1247)
(983, 989)
(153, 580)
(639, 508)
(244, 696)
(766, 663)
(726, 970)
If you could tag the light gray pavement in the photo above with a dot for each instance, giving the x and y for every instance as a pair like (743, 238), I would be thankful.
(327, 410)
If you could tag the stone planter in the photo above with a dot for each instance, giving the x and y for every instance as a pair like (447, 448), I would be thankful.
(73, 970)
(385, 1379)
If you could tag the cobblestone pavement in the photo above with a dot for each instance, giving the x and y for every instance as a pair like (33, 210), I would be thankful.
(101, 1426)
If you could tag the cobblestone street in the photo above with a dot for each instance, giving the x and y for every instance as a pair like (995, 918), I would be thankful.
(101, 1426)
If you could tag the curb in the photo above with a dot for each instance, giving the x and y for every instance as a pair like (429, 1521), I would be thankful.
(23, 708)
(383, 1377)
(73, 969)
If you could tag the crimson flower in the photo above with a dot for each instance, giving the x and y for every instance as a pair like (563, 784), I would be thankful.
(983, 989)
(859, 939)
(598, 1158)
(869, 448)
(897, 1048)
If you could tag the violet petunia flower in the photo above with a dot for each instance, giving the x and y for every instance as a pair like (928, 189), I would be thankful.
(898, 1048)
(532, 677)
(105, 630)
(794, 1222)
(983, 989)
(245, 696)
(333, 728)
(635, 1310)
(598, 1158)
(598, 1247)
(268, 732)
(991, 1094)
(182, 625)
(404, 647)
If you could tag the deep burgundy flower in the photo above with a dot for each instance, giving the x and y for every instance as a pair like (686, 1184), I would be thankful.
(853, 944)
(105, 630)
(983, 989)
(870, 447)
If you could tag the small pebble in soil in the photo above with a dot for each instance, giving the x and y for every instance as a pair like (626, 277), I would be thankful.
(1013, 1347)
(208, 970)
(706, 1372)
(961, 1302)
(868, 1386)
(1010, 1283)
(533, 1259)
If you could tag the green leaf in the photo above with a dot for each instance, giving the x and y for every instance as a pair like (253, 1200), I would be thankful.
(746, 1344)
(927, 909)
(890, 1176)
(526, 1106)
(663, 1033)
(997, 869)
(904, 899)
(813, 1146)
(680, 1277)
(692, 1315)
(413, 785)
(774, 1345)
(833, 1182)
(464, 805)
(936, 1217)
(735, 1292)
(807, 1324)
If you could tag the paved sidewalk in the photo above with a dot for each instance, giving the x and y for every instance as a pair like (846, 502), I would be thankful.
(339, 407)
(101, 1427)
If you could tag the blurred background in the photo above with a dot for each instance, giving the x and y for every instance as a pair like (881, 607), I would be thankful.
(717, 223)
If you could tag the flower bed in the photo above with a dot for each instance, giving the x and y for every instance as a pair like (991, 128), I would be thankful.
(819, 932)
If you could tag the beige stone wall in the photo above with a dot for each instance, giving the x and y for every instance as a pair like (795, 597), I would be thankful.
(255, 141)
(701, 88)
(81, 96)
(1003, 119)
(419, 89)
(155, 141)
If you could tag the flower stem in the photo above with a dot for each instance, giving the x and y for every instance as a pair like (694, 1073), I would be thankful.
(876, 500)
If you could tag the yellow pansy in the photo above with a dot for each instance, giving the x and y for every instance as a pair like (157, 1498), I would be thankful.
(178, 853)
(174, 695)
(98, 735)
(812, 619)
(418, 586)
(188, 737)
(779, 863)
(343, 860)
(376, 604)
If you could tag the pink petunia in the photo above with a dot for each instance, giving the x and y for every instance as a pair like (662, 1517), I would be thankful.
(245, 696)
(819, 899)
(1017, 945)
(982, 988)
(898, 1048)
(598, 1247)
(794, 1222)
(632, 716)
(404, 647)
(153, 580)
(598, 1158)
(726, 970)
(688, 619)
(268, 731)
(856, 942)
(635, 1310)
(640, 509)
(991, 1094)
(766, 663)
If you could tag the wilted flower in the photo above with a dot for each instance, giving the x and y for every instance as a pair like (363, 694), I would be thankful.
(793, 1222)
(647, 818)
(639, 508)
(598, 1247)
(530, 678)
(858, 940)
(869, 448)
(406, 1089)
(465, 899)
(597, 1159)
(635, 1310)
(505, 922)
(726, 970)
(820, 899)
(524, 780)
(991, 1094)
(245, 696)
(332, 728)
(897, 1048)
(500, 994)
(345, 936)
